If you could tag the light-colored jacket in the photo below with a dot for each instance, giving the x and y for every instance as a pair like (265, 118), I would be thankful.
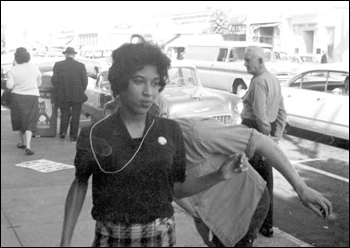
(226, 208)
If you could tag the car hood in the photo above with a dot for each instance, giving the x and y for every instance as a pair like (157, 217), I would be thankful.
(195, 101)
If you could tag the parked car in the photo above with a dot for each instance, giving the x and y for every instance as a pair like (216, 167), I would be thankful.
(185, 95)
(221, 64)
(55, 52)
(95, 52)
(313, 101)
(46, 64)
(304, 59)
(281, 55)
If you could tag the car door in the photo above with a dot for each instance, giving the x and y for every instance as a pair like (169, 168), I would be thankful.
(332, 108)
(203, 58)
(220, 70)
(300, 99)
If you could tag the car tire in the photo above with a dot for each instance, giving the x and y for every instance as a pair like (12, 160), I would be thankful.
(239, 88)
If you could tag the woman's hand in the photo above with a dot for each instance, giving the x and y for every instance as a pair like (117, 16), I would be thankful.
(235, 163)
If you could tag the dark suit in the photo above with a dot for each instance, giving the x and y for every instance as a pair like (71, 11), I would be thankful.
(70, 81)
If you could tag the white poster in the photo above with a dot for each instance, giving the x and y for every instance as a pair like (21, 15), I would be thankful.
(44, 166)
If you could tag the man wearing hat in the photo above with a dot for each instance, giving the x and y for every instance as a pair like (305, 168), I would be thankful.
(70, 81)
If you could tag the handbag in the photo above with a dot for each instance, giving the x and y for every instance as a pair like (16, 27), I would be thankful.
(6, 98)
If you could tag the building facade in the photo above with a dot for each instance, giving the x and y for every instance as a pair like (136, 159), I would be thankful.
(305, 33)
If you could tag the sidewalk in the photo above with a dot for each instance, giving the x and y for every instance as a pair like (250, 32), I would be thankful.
(32, 202)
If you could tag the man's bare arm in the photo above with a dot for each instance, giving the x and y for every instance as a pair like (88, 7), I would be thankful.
(277, 158)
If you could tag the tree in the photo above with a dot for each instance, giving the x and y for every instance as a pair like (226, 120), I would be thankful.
(219, 22)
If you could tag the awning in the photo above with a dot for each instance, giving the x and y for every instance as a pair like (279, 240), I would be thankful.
(256, 26)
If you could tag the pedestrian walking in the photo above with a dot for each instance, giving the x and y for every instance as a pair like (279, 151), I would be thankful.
(24, 78)
(70, 81)
(137, 160)
(234, 210)
(263, 109)
(324, 58)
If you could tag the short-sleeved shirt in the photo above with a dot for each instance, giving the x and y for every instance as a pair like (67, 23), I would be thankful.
(143, 190)
(226, 208)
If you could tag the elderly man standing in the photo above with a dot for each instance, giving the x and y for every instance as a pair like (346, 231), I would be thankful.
(263, 110)
(70, 81)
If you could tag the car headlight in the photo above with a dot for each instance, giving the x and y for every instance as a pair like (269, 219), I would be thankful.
(238, 108)
(236, 113)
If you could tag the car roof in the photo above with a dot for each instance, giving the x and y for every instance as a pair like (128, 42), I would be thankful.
(181, 63)
(230, 44)
(328, 67)
(174, 63)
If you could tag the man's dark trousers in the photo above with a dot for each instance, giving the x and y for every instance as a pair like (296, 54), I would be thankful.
(265, 171)
(70, 113)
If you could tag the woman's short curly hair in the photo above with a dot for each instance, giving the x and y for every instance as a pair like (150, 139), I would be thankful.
(21, 55)
(130, 58)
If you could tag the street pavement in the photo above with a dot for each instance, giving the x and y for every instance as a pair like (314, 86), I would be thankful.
(32, 201)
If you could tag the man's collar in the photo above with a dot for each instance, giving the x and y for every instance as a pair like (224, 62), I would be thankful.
(260, 71)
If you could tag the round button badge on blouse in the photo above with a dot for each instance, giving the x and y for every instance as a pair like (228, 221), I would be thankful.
(162, 141)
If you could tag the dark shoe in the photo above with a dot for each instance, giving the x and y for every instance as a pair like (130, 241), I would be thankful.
(29, 152)
(73, 139)
(62, 135)
(21, 146)
(267, 232)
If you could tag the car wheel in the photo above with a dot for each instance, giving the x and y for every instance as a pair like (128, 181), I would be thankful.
(239, 88)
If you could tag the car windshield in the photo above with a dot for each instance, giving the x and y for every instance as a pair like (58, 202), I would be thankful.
(181, 77)
(281, 56)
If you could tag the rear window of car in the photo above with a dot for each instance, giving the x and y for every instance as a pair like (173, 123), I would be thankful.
(181, 77)
(308, 59)
(324, 81)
